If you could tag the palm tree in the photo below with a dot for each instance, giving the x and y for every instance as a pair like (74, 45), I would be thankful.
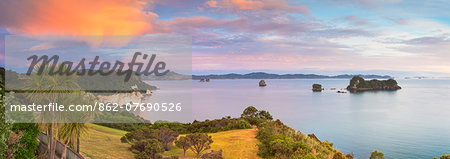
(52, 88)
(71, 132)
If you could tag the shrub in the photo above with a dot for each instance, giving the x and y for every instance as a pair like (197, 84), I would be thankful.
(309, 156)
(280, 141)
(148, 148)
(447, 156)
(377, 155)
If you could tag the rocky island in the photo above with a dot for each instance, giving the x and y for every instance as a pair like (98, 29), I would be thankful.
(262, 83)
(359, 84)
(317, 88)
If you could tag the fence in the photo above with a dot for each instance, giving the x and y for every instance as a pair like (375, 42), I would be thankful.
(70, 153)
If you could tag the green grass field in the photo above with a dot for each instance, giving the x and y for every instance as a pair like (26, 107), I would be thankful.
(104, 142)
(235, 144)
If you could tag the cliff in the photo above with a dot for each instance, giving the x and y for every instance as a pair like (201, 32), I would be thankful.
(122, 98)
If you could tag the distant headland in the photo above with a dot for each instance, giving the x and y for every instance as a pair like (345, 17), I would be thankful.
(358, 83)
(263, 75)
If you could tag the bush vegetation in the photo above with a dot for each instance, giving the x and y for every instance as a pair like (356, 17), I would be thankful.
(446, 156)
(122, 120)
(150, 143)
(280, 141)
(377, 155)
(113, 82)
(17, 140)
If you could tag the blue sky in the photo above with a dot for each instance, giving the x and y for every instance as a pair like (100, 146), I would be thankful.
(329, 36)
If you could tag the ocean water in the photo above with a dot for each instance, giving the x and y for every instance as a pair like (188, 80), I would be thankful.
(413, 122)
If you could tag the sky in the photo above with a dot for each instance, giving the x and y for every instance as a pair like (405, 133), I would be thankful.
(395, 37)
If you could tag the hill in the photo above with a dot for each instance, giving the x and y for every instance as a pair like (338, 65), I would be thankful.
(263, 75)
(234, 144)
(169, 76)
(104, 142)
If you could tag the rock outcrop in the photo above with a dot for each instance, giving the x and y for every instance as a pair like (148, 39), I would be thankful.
(262, 83)
(317, 88)
(121, 98)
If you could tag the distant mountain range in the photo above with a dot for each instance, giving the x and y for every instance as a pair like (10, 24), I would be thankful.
(169, 76)
(262, 75)
(258, 75)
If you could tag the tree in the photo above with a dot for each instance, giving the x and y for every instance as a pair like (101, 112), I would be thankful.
(139, 134)
(148, 148)
(249, 112)
(166, 136)
(70, 133)
(184, 143)
(264, 115)
(200, 142)
(58, 88)
(254, 116)
(377, 155)
(447, 156)
(148, 143)
(17, 140)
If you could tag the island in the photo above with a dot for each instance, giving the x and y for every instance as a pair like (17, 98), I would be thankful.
(262, 83)
(359, 84)
(317, 88)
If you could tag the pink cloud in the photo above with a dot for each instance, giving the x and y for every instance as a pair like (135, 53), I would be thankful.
(276, 5)
(77, 17)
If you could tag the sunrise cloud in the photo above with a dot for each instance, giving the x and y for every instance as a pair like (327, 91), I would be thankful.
(77, 17)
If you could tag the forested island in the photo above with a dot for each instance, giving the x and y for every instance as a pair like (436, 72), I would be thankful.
(358, 83)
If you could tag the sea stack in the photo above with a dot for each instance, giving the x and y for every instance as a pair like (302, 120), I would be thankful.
(317, 88)
(262, 83)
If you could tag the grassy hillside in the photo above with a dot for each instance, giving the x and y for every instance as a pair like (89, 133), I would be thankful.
(104, 142)
(234, 144)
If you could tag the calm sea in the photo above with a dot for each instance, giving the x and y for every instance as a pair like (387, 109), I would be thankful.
(413, 122)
